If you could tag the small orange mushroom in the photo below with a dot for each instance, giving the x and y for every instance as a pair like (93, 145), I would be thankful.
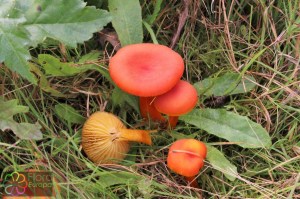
(186, 158)
(105, 139)
(181, 99)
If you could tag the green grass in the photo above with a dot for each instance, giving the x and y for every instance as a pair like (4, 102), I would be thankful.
(263, 41)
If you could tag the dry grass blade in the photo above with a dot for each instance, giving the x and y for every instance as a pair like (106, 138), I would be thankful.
(182, 20)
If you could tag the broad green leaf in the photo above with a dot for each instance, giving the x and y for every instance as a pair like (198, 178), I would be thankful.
(127, 20)
(230, 126)
(25, 23)
(219, 162)
(23, 130)
(119, 98)
(53, 66)
(14, 40)
(9, 108)
(68, 21)
(68, 113)
(227, 84)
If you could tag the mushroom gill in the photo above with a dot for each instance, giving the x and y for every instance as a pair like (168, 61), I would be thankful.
(105, 139)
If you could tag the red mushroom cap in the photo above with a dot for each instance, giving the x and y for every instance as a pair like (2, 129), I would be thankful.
(181, 99)
(186, 157)
(146, 69)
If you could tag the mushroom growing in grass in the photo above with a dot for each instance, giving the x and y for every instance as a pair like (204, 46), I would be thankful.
(146, 70)
(181, 99)
(186, 158)
(105, 139)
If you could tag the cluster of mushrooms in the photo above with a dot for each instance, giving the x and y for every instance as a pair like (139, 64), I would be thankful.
(152, 72)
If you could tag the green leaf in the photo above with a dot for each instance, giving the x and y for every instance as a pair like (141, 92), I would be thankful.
(230, 126)
(112, 178)
(69, 22)
(219, 162)
(9, 108)
(23, 130)
(118, 177)
(14, 40)
(25, 23)
(54, 67)
(127, 20)
(227, 84)
(44, 84)
(120, 98)
(68, 113)
(90, 58)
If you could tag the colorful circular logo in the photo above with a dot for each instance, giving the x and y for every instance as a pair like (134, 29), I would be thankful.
(15, 184)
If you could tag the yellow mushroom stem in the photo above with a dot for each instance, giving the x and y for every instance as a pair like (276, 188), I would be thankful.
(135, 135)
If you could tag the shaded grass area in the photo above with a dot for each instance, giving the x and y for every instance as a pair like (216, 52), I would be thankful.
(257, 38)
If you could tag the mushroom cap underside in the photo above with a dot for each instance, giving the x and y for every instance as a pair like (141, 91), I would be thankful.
(100, 138)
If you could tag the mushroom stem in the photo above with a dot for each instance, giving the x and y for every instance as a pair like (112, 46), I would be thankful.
(148, 110)
(192, 181)
(135, 135)
(173, 121)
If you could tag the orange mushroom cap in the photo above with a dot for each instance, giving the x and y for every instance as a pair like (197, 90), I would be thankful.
(146, 69)
(181, 99)
(186, 157)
